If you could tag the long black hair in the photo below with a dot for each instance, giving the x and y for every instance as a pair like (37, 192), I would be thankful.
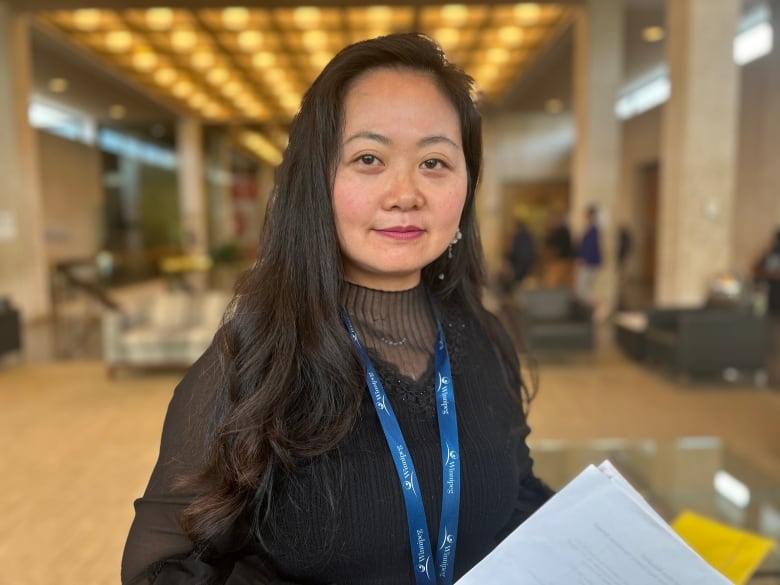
(289, 386)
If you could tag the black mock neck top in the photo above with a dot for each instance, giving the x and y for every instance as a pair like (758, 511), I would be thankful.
(343, 521)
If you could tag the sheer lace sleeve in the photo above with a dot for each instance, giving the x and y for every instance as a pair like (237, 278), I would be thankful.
(157, 550)
(532, 491)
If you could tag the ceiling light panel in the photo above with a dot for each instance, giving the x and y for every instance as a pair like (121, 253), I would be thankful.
(254, 64)
(397, 18)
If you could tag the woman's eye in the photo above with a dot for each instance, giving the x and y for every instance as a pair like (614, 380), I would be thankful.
(367, 159)
(433, 163)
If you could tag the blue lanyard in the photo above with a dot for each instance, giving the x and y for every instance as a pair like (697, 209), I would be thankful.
(419, 541)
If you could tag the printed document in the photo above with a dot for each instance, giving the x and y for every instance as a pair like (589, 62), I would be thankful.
(596, 531)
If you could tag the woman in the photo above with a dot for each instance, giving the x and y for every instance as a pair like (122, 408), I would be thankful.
(317, 441)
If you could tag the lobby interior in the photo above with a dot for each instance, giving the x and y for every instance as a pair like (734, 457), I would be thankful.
(115, 189)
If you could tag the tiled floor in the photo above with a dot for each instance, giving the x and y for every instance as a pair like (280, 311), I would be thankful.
(78, 448)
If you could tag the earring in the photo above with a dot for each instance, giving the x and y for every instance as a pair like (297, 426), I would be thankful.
(458, 237)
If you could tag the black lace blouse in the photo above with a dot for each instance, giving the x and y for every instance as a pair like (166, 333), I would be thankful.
(343, 521)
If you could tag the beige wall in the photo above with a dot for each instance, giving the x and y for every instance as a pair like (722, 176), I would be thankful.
(757, 209)
(641, 145)
(518, 148)
(72, 198)
(23, 276)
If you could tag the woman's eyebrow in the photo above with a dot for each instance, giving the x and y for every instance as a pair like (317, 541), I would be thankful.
(437, 139)
(370, 136)
(427, 141)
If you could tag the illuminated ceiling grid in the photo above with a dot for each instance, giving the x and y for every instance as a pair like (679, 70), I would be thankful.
(253, 65)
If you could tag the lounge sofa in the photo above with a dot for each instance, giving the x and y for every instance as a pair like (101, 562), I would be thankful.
(708, 342)
(166, 330)
(553, 320)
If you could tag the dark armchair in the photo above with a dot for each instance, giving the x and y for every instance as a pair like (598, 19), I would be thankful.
(552, 319)
(708, 341)
(10, 328)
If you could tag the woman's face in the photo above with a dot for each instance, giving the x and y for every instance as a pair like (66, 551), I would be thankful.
(401, 180)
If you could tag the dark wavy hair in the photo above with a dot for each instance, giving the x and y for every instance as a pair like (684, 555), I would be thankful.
(289, 384)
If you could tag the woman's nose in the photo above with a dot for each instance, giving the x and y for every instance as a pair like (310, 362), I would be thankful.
(404, 192)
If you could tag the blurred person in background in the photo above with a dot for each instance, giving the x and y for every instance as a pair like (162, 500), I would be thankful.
(559, 253)
(766, 271)
(519, 259)
(625, 244)
(588, 257)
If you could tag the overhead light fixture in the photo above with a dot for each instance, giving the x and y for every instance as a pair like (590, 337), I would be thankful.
(753, 43)
(231, 88)
(202, 60)
(653, 34)
(448, 38)
(87, 19)
(261, 146)
(650, 91)
(197, 100)
(497, 55)
(510, 35)
(290, 102)
(58, 85)
(527, 13)
(165, 76)
(244, 99)
(378, 14)
(320, 59)
(315, 40)
(144, 60)
(159, 18)
(119, 41)
(486, 75)
(117, 112)
(256, 110)
(213, 110)
(454, 14)
(306, 17)
(235, 18)
(250, 40)
(217, 76)
(182, 88)
(276, 76)
(263, 59)
(281, 86)
(183, 40)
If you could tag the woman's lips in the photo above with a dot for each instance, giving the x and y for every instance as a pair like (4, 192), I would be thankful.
(401, 232)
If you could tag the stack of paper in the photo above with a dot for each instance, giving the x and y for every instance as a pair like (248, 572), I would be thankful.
(596, 531)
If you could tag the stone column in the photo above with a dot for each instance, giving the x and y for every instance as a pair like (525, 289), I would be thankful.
(24, 275)
(598, 73)
(221, 222)
(192, 198)
(769, 187)
(489, 206)
(699, 147)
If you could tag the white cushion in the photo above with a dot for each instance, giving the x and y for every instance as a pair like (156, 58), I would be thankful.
(211, 307)
(170, 311)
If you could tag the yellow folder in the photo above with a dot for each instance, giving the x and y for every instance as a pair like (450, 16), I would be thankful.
(735, 553)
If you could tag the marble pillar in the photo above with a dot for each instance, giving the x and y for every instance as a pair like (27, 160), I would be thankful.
(769, 175)
(192, 197)
(698, 150)
(598, 74)
(24, 275)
